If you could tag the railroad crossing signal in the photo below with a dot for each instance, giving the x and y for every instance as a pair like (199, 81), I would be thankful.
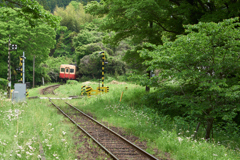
(21, 61)
(14, 47)
(20, 68)
(21, 65)
(89, 90)
(27, 94)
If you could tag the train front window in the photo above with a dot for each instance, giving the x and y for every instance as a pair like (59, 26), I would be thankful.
(62, 69)
(67, 70)
(71, 70)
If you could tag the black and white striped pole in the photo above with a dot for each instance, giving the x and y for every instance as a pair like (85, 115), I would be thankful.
(14, 47)
(9, 70)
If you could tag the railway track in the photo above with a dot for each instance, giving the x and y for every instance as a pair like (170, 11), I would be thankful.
(114, 144)
(50, 89)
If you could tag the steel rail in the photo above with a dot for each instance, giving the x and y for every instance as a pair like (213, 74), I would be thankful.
(108, 152)
(44, 89)
(135, 146)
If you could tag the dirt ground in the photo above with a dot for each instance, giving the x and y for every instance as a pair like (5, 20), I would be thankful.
(116, 82)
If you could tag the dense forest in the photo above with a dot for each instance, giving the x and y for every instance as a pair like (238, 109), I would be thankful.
(51, 4)
(192, 47)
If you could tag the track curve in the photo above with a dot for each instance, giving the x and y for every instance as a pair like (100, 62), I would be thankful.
(114, 144)
(50, 89)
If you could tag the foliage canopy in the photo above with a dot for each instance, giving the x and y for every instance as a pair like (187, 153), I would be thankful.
(34, 41)
(30, 11)
(205, 64)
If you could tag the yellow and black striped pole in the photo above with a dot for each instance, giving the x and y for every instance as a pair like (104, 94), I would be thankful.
(103, 60)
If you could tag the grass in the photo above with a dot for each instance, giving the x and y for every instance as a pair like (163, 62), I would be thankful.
(158, 130)
(33, 126)
(26, 127)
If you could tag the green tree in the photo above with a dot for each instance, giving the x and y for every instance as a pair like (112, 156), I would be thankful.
(205, 64)
(147, 21)
(89, 40)
(34, 41)
(91, 65)
(73, 20)
(30, 11)
(51, 4)
(64, 46)
(73, 16)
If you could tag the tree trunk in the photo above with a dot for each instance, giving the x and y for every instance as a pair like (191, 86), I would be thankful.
(148, 88)
(33, 71)
(195, 134)
(209, 128)
(149, 39)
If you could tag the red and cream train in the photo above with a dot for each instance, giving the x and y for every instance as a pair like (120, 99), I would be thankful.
(67, 71)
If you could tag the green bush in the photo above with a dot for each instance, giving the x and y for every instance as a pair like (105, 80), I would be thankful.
(84, 78)
(123, 78)
(204, 66)
(72, 82)
(108, 78)
(3, 83)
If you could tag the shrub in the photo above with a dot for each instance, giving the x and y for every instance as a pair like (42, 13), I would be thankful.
(205, 66)
(72, 82)
(3, 83)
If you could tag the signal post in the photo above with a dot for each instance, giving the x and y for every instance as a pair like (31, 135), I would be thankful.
(89, 90)
(14, 47)
(20, 90)
(9, 69)
(22, 68)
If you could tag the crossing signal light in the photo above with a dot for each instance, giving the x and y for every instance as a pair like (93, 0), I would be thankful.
(27, 94)
(21, 61)
(14, 46)
(20, 80)
(20, 68)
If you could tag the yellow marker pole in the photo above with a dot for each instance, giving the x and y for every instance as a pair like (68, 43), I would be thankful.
(103, 59)
(121, 96)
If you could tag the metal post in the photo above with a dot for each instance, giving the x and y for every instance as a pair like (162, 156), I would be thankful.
(33, 70)
(9, 69)
(99, 85)
(103, 59)
(23, 67)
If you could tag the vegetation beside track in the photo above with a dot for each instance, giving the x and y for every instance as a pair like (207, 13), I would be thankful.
(136, 116)
(33, 130)
(172, 136)
(35, 126)
(160, 131)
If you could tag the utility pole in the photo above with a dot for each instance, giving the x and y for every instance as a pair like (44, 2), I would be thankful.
(33, 70)
(23, 66)
(9, 69)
